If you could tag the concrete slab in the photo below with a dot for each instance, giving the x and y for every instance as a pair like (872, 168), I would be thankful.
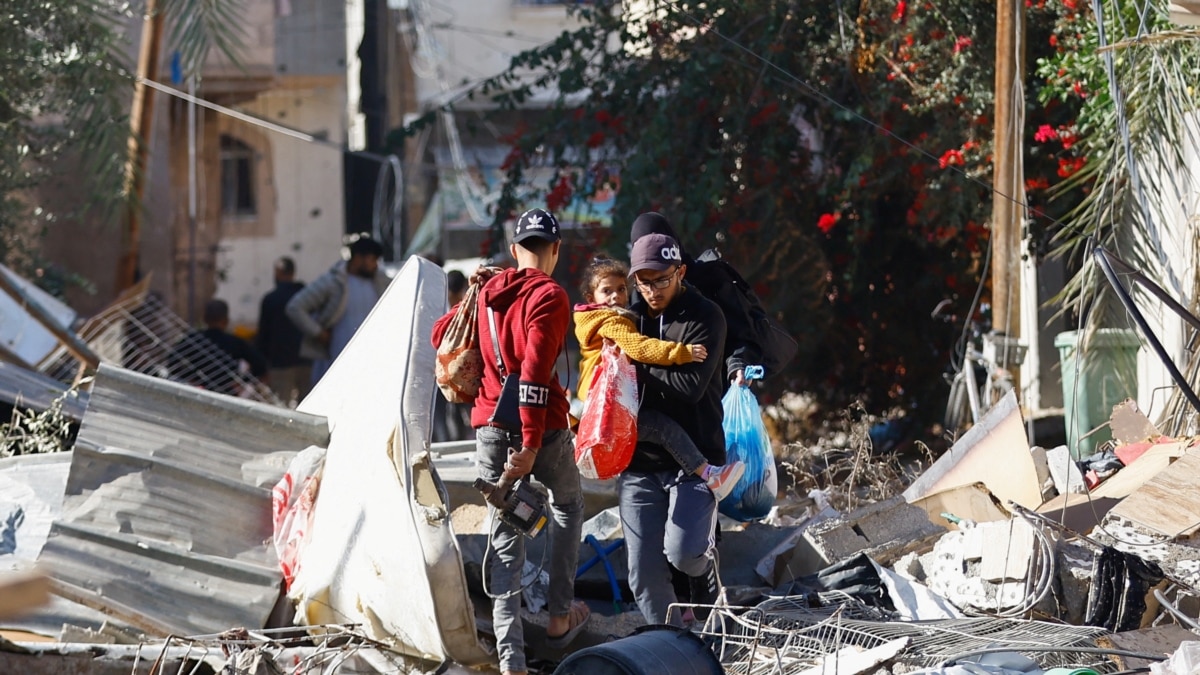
(884, 531)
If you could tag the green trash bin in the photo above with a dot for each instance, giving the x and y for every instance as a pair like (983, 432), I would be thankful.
(1108, 376)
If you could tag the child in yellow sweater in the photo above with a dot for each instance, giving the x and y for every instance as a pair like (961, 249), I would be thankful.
(605, 317)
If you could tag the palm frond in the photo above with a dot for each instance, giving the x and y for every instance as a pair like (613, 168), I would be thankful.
(1137, 132)
(199, 26)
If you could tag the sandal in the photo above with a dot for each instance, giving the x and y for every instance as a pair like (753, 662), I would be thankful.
(579, 616)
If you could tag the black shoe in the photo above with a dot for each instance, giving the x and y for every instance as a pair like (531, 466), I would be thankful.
(704, 590)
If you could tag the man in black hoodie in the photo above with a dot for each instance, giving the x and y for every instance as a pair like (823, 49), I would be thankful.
(668, 514)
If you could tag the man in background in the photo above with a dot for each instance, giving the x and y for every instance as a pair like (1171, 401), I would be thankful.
(278, 339)
(212, 358)
(330, 309)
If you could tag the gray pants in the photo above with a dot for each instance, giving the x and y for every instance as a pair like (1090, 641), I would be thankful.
(555, 468)
(669, 518)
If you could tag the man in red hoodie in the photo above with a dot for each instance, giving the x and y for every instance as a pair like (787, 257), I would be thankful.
(532, 319)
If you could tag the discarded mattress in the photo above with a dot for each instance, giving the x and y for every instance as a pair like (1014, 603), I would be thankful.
(166, 517)
(381, 551)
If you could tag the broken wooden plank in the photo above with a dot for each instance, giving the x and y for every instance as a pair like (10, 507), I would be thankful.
(22, 591)
(1168, 503)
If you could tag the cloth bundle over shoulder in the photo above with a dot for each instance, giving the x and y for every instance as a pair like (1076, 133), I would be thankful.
(459, 367)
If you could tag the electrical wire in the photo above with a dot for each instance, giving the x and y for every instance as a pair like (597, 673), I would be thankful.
(1175, 611)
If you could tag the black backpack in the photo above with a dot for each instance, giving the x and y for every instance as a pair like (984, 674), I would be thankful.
(749, 324)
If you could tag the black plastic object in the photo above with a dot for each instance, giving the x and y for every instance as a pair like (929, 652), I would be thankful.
(650, 650)
(1117, 596)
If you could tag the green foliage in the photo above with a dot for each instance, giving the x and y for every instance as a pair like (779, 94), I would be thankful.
(1135, 94)
(31, 432)
(59, 86)
(837, 153)
(65, 89)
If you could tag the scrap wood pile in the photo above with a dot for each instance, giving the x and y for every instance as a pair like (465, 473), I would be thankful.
(1011, 558)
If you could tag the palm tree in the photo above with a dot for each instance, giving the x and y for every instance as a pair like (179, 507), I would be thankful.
(1137, 129)
(65, 86)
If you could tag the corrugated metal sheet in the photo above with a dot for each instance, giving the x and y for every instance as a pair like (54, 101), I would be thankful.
(31, 389)
(167, 514)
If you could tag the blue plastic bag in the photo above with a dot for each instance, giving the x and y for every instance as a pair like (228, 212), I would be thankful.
(746, 440)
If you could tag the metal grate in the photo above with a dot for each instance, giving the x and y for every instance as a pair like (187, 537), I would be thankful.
(786, 636)
(323, 650)
(139, 332)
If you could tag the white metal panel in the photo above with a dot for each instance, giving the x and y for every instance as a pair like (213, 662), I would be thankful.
(381, 550)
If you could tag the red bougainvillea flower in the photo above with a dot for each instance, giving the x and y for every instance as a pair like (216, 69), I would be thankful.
(1078, 87)
(1068, 139)
(1070, 4)
(951, 157)
(1053, 40)
(511, 159)
(826, 222)
(595, 140)
(1039, 183)
(560, 196)
(901, 8)
(603, 116)
(961, 43)
(763, 115)
(743, 227)
(1045, 134)
(1069, 166)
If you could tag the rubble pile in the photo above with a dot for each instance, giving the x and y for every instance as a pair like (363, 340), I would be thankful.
(336, 539)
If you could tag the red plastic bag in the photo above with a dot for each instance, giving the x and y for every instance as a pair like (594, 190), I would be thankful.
(608, 428)
(292, 502)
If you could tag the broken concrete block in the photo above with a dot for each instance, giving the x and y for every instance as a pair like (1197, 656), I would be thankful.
(1065, 472)
(884, 531)
(1006, 550)
(1042, 466)
(972, 544)
(773, 568)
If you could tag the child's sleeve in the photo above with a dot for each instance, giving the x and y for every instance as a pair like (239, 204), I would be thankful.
(644, 349)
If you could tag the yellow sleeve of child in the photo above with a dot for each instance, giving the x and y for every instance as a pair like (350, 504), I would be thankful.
(644, 349)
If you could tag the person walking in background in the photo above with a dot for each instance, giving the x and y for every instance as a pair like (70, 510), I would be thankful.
(532, 317)
(329, 310)
(278, 339)
(212, 358)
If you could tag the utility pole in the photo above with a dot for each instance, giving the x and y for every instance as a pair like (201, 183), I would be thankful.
(141, 117)
(1008, 211)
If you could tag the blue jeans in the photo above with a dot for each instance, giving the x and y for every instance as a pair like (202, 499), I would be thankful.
(669, 518)
(656, 428)
(555, 468)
